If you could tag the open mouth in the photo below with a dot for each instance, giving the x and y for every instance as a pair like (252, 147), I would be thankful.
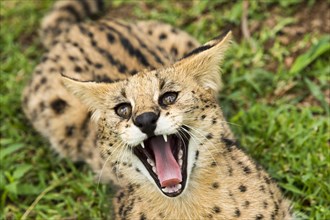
(165, 158)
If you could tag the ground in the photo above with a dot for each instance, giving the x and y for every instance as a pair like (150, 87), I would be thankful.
(276, 96)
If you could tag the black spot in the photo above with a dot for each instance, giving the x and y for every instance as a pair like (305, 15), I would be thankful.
(215, 185)
(273, 216)
(262, 188)
(142, 216)
(110, 38)
(246, 204)
(72, 58)
(90, 34)
(242, 188)
(133, 72)
(267, 179)
(78, 69)
(265, 204)
(58, 105)
(121, 209)
(214, 121)
(36, 88)
(138, 170)
(174, 51)
(196, 155)
(43, 80)
(247, 170)
(98, 65)
(230, 171)
(123, 92)
(209, 136)
(259, 217)
(162, 36)
(69, 130)
(216, 209)
(120, 196)
(229, 143)
(52, 70)
(79, 145)
(42, 106)
(44, 59)
(237, 212)
(150, 32)
(213, 164)
(277, 207)
(130, 189)
(209, 216)
(174, 31)
(190, 44)
(90, 155)
(88, 61)
(203, 116)
(72, 11)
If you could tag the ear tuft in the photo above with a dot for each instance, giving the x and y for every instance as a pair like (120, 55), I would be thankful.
(203, 62)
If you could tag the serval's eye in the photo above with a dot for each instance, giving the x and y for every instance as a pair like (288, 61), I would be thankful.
(124, 110)
(168, 98)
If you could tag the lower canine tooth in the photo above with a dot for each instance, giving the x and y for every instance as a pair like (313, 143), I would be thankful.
(142, 144)
(179, 186)
(154, 169)
(180, 162)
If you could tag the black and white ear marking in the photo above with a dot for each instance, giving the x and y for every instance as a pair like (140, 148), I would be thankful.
(203, 62)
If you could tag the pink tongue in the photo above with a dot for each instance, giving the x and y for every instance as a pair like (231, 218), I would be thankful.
(168, 170)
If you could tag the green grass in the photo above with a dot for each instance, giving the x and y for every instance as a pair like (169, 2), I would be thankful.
(275, 94)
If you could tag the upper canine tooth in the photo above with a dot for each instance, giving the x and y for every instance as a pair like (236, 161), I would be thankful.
(142, 144)
(165, 137)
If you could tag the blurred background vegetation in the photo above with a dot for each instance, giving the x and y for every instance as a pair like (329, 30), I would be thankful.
(276, 94)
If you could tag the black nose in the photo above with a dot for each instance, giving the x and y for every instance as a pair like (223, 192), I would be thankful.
(147, 122)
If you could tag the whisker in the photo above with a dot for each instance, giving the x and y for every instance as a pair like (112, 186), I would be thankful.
(204, 138)
(210, 120)
(100, 174)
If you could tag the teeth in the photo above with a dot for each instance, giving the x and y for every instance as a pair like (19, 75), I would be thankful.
(180, 162)
(154, 169)
(151, 162)
(180, 154)
(172, 189)
(165, 137)
(142, 144)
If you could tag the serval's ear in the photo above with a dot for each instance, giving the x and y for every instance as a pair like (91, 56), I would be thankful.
(91, 94)
(203, 62)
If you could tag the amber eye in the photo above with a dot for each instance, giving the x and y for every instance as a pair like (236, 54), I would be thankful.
(168, 98)
(124, 110)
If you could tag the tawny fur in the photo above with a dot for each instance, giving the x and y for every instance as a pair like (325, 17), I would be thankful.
(223, 183)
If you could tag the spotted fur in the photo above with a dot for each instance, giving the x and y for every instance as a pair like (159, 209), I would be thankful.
(92, 67)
